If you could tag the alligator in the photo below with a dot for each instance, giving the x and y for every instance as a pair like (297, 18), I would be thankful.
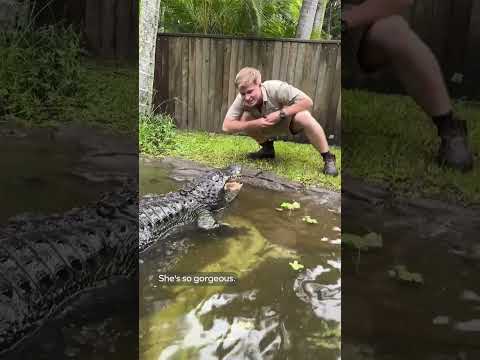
(46, 261)
(162, 215)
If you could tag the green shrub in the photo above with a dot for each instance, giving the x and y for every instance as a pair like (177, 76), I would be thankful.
(41, 73)
(157, 133)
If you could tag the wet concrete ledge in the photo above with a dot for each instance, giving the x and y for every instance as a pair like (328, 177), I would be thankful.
(182, 170)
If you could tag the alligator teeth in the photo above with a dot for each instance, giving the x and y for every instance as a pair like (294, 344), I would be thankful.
(233, 186)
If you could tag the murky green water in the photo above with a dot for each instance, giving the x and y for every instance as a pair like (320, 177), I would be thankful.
(384, 318)
(273, 311)
(36, 178)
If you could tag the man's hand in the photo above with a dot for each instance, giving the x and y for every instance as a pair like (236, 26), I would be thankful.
(261, 123)
(273, 118)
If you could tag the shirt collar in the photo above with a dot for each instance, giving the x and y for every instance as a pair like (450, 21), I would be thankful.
(264, 93)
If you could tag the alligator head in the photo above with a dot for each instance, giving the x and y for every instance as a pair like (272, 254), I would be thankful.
(216, 188)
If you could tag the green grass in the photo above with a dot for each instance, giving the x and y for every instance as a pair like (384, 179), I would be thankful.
(112, 97)
(46, 80)
(296, 162)
(388, 140)
(156, 133)
(108, 100)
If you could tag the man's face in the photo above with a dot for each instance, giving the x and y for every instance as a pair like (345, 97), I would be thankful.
(251, 95)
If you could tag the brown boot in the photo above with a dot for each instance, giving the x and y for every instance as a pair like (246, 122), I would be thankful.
(454, 151)
(329, 167)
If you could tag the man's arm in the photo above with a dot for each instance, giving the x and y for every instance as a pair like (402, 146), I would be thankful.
(232, 125)
(373, 10)
(303, 104)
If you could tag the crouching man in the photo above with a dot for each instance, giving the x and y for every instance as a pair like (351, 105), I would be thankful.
(273, 108)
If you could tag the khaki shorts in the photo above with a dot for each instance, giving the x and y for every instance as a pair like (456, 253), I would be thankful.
(283, 127)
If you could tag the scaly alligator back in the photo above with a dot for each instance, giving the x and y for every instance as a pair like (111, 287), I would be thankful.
(45, 260)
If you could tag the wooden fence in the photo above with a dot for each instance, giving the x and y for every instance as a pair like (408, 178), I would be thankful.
(451, 28)
(194, 76)
(110, 27)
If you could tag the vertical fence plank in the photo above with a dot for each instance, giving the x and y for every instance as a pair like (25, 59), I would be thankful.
(205, 78)
(242, 55)
(335, 86)
(198, 83)
(292, 62)
(306, 83)
(211, 90)
(255, 56)
(329, 85)
(184, 82)
(108, 28)
(234, 67)
(170, 101)
(276, 58)
(191, 83)
(177, 90)
(472, 61)
(92, 25)
(218, 87)
(297, 73)
(267, 57)
(315, 69)
(226, 76)
(284, 60)
(161, 75)
(320, 93)
(248, 54)
(123, 32)
(457, 36)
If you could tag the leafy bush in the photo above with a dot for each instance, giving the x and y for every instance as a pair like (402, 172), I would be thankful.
(40, 76)
(157, 133)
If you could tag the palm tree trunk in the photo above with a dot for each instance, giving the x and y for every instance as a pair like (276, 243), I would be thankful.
(307, 16)
(319, 16)
(149, 17)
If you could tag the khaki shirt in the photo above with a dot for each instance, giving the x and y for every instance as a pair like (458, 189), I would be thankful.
(276, 94)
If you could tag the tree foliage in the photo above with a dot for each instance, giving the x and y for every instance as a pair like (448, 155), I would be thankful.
(331, 24)
(269, 18)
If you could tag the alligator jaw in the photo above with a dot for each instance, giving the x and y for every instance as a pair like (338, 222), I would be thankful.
(232, 188)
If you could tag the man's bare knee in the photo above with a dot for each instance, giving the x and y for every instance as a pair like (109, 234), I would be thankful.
(391, 34)
(303, 117)
(304, 120)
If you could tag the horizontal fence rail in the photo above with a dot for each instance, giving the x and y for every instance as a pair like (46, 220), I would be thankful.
(194, 76)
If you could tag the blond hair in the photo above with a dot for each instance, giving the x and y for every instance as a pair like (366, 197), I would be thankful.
(247, 76)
